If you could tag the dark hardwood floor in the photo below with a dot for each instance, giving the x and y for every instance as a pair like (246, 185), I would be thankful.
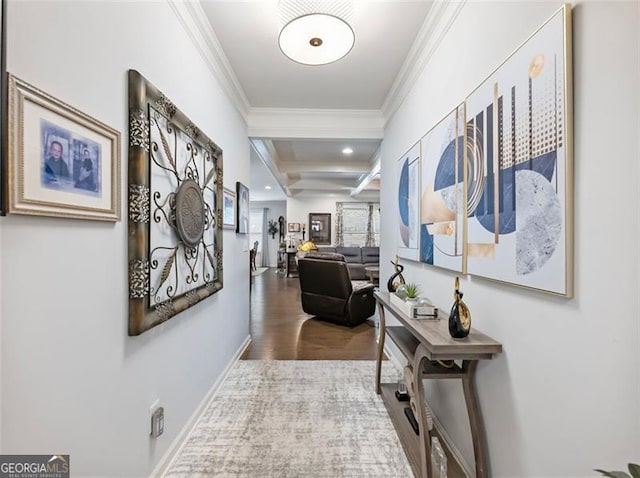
(280, 330)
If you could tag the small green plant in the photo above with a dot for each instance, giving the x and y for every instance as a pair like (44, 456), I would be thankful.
(634, 472)
(273, 228)
(411, 290)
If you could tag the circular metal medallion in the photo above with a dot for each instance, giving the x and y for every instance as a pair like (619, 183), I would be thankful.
(190, 219)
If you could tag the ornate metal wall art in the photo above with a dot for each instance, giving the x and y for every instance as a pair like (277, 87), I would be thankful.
(175, 209)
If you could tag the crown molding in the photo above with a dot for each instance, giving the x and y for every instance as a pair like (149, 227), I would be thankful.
(193, 19)
(436, 25)
(298, 123)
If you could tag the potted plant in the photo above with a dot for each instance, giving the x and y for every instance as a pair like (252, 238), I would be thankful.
(272, 228)
(405, 297)
(411, 291)
(634, 472)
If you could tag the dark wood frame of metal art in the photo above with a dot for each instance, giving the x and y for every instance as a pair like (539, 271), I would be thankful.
(189, 215)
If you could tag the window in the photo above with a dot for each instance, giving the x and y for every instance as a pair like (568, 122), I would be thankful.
(354, 224)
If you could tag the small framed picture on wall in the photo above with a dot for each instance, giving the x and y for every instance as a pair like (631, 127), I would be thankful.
(294, 227)
(228, 209)
(242, 192)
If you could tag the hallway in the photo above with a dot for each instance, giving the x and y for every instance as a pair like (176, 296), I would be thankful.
(280, 330)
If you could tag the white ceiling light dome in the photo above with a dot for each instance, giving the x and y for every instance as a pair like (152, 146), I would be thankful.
(314, 32)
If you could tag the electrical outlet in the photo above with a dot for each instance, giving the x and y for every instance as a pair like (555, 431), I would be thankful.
(157, 423)
(156, 414)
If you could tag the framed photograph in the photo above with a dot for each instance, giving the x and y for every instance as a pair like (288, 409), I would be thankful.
(3, 102)
(293, 227)
(519, 161)
(242, 227)
(175, 209)
(409, 203)
(228, 209)
(320, 228)
(63, 162)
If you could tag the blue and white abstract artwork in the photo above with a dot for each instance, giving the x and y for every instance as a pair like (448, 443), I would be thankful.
(442, 194)
(408, 203)
(518, 167)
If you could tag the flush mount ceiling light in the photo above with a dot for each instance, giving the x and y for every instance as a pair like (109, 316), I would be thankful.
(315, 32)
(347, 150)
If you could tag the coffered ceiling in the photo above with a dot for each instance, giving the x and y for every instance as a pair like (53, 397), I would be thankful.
(302, 117)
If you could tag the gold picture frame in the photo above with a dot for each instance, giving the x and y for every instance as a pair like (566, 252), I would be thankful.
(61, 162)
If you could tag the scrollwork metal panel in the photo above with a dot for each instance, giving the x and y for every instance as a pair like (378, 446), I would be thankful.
(175, 206)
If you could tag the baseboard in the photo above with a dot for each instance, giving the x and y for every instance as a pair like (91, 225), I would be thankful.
(178, 444)
(397, 357)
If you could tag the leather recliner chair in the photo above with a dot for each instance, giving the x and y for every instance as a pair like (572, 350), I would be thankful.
(328, 293)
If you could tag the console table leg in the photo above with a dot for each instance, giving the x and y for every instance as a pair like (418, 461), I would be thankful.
(475, 418)
(381, 335)
(420, 360)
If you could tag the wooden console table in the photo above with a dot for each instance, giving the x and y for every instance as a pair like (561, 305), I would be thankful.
(424, 341)
(292, 265)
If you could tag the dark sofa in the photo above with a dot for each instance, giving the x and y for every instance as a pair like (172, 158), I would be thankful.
(357, 258)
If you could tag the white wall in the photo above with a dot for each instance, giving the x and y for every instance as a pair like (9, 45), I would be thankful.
(564, 396)
(73, 381)
(276, 209)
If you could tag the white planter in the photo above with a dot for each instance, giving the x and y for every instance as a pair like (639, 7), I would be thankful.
(410, 309)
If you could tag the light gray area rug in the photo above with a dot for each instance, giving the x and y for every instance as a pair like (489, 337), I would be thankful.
(279, 419)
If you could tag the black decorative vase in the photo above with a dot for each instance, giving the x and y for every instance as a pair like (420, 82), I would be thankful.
(460, 317)
(391, 285)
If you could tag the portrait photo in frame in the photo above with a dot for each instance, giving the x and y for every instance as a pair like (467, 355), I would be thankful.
(175, 209)
(64, 163)
(3, 103)
(242, 198)
(293, 227)
(228, 209)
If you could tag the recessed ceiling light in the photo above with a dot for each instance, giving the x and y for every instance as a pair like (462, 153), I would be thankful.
(267, 187)
(347, 150)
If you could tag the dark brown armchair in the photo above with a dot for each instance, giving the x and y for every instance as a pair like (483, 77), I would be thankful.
(328, 293)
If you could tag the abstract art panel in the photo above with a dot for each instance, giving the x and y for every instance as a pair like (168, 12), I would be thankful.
(442, 194)
(519, 183)
(408, 203)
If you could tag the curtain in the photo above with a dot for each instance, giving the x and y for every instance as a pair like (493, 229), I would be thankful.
(339, 224)
(370, 241)
(264, 260)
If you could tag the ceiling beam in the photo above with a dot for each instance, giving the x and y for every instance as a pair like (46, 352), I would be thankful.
(327, 184)
(324, 166)
(301, 123)
(373, 172)
(268, 155)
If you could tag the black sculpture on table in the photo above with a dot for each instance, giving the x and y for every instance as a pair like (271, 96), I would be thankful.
(391, 285)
